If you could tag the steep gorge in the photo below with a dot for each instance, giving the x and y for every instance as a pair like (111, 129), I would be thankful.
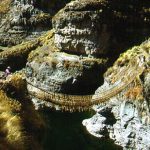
(66, 52)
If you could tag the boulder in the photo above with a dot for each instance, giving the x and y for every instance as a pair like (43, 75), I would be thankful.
(125, 116)
(100, 27)
(64, 73)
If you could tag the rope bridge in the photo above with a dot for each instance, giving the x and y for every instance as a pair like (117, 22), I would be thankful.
(85, 102)
(64, 101)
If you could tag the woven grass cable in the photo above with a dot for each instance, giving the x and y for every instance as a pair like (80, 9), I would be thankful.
(85, 102)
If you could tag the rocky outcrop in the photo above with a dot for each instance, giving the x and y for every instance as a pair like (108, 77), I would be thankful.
(22, 20)
(120, 121)
(125, 117)
(64, 73)
(78, 28)
(100, 27)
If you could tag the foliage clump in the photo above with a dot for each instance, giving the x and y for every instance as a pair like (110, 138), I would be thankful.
(18, 120)
(18, 82)
(11, 127)
(135, 93)
(4, 6)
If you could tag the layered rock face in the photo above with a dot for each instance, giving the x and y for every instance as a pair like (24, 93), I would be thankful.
(100, 27)
(125, 117)
(22, 20)
(79, 28)
(120, 120)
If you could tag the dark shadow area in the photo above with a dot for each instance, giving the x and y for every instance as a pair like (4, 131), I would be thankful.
(52, 6)
(66, 132)
(110, 119)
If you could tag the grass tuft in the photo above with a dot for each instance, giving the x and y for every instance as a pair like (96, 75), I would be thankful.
(11, 129)
(4, 6)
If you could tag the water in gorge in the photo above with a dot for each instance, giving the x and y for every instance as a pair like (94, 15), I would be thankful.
(66, 132)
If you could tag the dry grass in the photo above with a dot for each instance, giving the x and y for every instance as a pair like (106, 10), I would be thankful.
(143, 49)
(4, 6)
(135, 93)
(10, 123)
(18, 82)
(19, 50)
(48, 46)
(42, 17)
(19, 122)
(129, 56)
(15, 85)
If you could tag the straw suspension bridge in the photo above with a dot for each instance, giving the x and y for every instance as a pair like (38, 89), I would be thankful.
(85, 102)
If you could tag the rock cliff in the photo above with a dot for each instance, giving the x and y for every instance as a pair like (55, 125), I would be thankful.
(22, 20)
(100, 27)
(65, 73)
(125, 117)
